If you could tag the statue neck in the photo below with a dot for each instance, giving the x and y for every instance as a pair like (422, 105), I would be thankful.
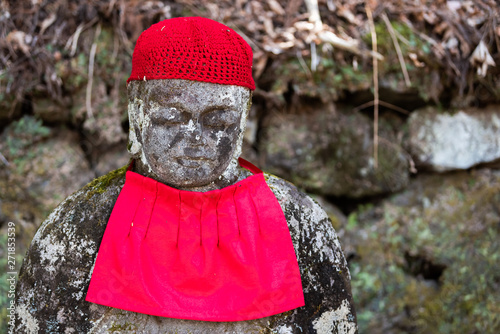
(231, 175)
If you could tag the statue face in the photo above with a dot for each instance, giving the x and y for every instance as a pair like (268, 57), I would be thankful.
(190, 130)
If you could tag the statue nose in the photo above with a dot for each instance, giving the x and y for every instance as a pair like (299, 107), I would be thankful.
(195, 132)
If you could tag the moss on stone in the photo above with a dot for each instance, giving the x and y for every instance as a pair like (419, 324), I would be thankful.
(121, 327)
(327, 82)
(428, 261)
(100, 184)
(330, 152)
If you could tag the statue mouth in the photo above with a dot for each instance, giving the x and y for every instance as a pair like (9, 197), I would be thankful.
(192, 162)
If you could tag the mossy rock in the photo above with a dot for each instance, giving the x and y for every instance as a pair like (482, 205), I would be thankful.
(427, 260)
(330, 152)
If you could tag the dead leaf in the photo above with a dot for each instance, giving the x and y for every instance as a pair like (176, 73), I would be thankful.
(430, 17)
(303, 26)
(482, 59)
(268, 26)
(214, 10)
(17, 40)
(454, 5)
(441, 27)
(276, 7)
(414, 59)
(270, 46)
(47, 22)
(346, 13)
(260, 61)
(336, 41)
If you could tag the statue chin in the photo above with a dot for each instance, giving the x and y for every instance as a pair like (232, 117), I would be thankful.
(188, 173)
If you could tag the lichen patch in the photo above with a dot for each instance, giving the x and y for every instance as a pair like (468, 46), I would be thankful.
(335, 321)
(51, 251)
(284, 330)
(28, 321)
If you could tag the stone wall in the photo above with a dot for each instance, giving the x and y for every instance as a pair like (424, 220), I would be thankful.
(420, 230)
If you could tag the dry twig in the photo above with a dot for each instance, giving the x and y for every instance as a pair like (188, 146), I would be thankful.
(375, 86)
(73, 40)
(314, 17)
(304, 65)
(88, 99)
(384, 104)
(2, 158)
(398, 49)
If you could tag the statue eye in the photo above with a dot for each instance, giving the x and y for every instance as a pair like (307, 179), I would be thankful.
(219, 119)
(171, 115)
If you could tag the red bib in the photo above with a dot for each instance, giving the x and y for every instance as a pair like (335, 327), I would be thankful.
(220, 255)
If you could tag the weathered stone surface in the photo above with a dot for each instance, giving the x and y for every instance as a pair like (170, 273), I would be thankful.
(446, 141)
(330, 152)
(57, 269)
(339, 222)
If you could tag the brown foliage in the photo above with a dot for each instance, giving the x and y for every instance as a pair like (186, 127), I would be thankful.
(39, 34)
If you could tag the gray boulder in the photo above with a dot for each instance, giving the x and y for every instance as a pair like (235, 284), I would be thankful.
(330, 152)
(45, 166)
(446, 141)
(54, 278)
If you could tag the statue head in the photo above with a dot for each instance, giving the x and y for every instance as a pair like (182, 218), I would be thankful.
(189, 95)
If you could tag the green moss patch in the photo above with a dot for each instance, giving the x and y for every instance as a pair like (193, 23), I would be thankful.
(428, 260)
(100, 184)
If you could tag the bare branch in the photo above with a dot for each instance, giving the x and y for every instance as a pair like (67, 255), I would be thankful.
(375, 86)
(398, 49)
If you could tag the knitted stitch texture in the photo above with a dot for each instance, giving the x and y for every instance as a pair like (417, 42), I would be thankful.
(193, 48)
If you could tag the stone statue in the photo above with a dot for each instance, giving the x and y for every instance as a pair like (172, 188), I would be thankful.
(186, 134)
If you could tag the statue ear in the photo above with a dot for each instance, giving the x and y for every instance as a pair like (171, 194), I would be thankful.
(249, 103)
(134, 134)
(138, 115)
(134, 146)
(135, 106)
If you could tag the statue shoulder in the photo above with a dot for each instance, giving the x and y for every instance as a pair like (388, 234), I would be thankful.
(288, 194)
(58, 264)
(306, 219)
(324, 270)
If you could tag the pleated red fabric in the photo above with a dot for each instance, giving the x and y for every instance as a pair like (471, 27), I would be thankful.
(221, 255)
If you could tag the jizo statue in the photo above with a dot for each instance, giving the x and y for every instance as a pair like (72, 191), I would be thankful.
(191, 238)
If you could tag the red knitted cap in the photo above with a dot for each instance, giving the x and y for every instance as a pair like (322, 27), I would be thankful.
(193, 48)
